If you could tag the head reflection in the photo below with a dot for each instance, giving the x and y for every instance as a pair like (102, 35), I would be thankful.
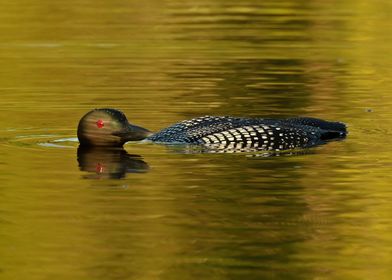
(109, 163)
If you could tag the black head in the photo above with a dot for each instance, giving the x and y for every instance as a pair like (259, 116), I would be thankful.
(108, 127)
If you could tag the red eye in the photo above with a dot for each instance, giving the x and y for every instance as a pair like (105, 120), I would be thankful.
(100, 123)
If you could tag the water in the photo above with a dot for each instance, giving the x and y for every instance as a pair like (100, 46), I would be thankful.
(157, 212)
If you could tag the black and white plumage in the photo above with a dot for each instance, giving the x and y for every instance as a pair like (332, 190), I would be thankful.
(231, 133)
(110, 128)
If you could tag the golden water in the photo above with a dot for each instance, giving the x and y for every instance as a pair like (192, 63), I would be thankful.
(156, 212)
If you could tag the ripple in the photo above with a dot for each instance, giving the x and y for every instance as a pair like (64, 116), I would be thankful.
(60, 143)
(30, 137)
(70, 139)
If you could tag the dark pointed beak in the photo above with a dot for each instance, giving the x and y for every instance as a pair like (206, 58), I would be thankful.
(133, 133)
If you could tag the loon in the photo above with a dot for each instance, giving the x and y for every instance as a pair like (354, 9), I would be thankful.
(110, 128)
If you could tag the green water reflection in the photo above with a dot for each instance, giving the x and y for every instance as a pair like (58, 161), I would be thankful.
(154, 212)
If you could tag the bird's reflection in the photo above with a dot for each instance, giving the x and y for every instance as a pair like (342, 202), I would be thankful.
(109, 163)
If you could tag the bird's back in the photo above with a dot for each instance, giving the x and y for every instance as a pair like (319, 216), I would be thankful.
(244, 133)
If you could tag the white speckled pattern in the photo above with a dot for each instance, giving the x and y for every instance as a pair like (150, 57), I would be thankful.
(230, 133)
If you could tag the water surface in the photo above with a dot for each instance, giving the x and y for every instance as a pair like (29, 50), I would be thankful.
(157, 212)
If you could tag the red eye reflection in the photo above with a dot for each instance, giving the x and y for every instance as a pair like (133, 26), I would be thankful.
(100, 123)
(99, 168)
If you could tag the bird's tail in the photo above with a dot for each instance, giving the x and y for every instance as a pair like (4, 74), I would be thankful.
(331, 130)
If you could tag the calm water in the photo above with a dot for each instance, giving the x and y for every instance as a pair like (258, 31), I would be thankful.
(156, 212)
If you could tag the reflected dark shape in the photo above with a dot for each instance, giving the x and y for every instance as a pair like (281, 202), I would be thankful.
(259, 87)
(109, 163)
(248, 152)
(263, 85)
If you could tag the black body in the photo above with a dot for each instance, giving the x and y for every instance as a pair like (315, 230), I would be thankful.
(243, 133)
